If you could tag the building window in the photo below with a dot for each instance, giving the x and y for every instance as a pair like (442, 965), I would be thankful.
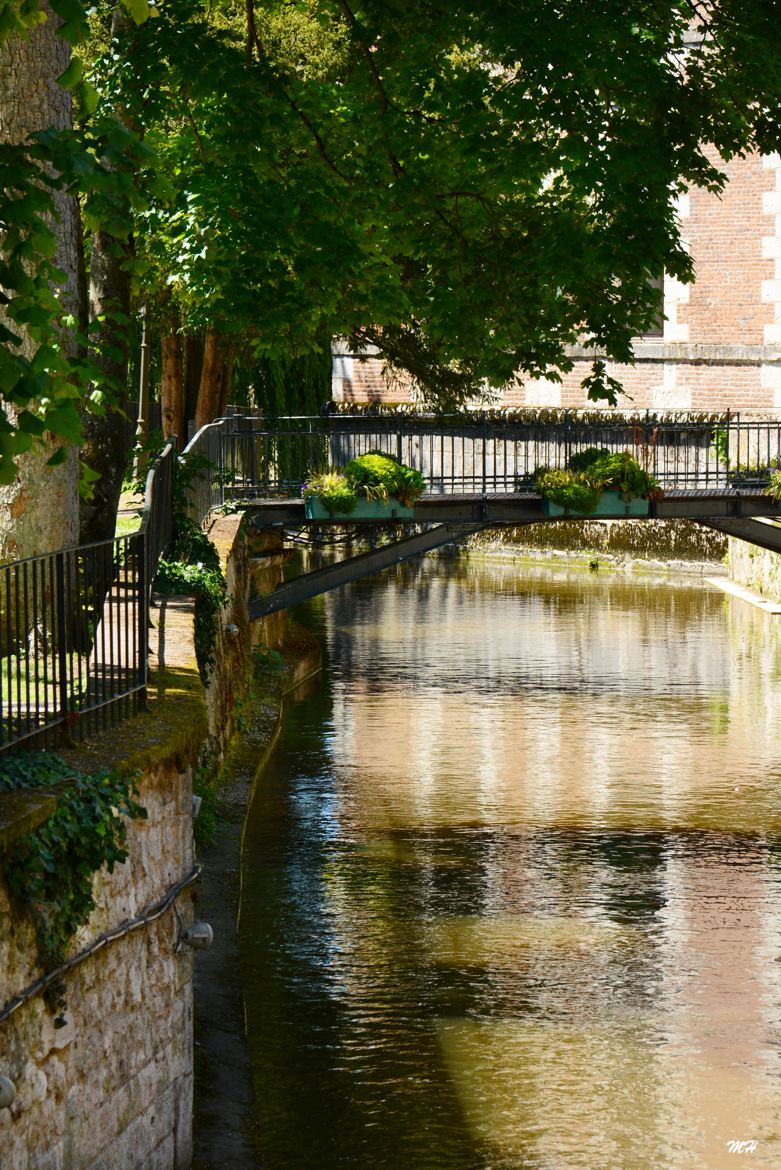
(657, 329)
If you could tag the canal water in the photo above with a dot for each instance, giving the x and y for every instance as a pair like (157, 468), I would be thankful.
(512, 881)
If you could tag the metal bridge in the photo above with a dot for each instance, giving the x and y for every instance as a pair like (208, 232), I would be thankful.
(479, 472)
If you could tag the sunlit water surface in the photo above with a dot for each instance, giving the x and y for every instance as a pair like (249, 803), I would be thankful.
(512, 881)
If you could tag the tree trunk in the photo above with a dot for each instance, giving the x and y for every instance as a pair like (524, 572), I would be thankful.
(193, 366)
(212, 377)
(39, 512)
(105, 447)
(226, 383)
(172, 382)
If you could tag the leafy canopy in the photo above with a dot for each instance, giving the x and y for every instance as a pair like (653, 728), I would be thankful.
(471, 190)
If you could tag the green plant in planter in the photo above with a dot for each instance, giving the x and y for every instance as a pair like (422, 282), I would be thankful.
(579, 486)
(381, 476)
(773, 488)
(568, 489)
(334, 489)
(622, 473)
(376, 476)
(584, 460)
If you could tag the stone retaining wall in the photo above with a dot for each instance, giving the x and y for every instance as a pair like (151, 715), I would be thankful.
(756, 568)
(112, 1090)
(657, 540)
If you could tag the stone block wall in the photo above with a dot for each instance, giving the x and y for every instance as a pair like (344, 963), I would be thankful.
(756, 568)
(252, 564)
(112, 1090)
(677, 542)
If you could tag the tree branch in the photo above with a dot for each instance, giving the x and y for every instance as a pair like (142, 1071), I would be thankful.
(193, 127)
(255, 45)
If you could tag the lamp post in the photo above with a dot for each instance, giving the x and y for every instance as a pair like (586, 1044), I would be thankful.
(142, 427)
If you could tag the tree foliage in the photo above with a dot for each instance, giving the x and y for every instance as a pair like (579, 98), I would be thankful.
(471, 190)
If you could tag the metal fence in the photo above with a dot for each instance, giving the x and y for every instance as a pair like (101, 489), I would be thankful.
(74, 629)
(489, 456)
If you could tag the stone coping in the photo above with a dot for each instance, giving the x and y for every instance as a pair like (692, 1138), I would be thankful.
(21, 811)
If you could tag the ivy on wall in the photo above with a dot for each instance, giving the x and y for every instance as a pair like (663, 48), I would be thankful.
(50, 871)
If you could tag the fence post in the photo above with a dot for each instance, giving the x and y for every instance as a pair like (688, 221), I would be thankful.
(485, 451)
(144, 590)
(62, 642)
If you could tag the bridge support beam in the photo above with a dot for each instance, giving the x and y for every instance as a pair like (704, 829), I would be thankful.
(761, 532)
(332, 576)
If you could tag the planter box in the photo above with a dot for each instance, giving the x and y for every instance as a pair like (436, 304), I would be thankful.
(376, 510)
(611, 504)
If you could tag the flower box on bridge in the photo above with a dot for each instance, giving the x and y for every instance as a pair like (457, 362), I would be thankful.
(611, 505)
(380, 511)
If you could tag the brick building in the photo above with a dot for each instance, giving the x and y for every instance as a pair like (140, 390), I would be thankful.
(720, 347)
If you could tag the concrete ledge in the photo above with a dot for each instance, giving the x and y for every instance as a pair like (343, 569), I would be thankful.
(21, 812)
(743, 594)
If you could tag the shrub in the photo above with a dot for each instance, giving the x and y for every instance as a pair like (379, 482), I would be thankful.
(381, 476)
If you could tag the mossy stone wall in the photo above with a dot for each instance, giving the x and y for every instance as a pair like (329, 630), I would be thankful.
(756, 568)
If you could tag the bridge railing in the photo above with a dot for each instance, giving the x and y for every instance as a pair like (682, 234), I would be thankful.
(74, 628)
(467, 455)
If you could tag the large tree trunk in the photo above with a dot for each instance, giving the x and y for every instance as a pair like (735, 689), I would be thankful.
(40, 512)
(172, 381)
(193, 367)
(212, 377)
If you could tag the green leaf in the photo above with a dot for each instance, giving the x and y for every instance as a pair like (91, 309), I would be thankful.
(139, 10)
(7, 469)
(59, 457)
(72, 76)
(89, 98)
(64, 422)
(30, 423)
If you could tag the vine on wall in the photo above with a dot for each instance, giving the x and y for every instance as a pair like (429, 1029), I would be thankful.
(50, 870)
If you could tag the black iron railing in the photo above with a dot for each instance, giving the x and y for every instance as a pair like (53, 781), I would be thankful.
(74, 628)
(485, 455)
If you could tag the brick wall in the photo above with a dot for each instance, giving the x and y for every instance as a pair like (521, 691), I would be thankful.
(721, 348)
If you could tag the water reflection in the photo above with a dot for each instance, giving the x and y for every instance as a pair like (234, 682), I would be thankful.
(512, 881)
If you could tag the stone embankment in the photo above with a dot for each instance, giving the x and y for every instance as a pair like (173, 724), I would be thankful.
(113, 1088)
(681, 544)
(756, 568)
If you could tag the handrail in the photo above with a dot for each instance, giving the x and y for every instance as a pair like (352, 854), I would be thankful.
(74, 628)
(485, 452)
